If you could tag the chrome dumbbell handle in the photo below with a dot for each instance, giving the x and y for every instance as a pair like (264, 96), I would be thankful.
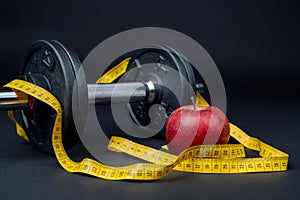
(97, 94)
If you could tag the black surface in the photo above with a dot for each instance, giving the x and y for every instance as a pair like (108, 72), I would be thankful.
(255, 45)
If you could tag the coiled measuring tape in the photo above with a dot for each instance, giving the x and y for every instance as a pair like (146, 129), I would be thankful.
(228, 158)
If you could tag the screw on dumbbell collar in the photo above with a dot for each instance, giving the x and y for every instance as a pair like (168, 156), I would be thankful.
(31, 103)
(152, 91)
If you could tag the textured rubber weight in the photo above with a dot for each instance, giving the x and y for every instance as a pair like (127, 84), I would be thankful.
(50, 65)
(155, 70)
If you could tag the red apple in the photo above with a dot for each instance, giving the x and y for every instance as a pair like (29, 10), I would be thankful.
(189, 126)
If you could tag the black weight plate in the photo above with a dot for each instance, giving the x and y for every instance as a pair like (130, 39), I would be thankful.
(139, 111)
(80, 91)
(158, 74)
(50, 65)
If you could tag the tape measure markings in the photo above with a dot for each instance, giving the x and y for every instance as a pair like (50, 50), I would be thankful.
(204, 165)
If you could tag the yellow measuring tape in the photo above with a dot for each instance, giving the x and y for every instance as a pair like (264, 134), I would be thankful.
(228, 158)
(114, 72)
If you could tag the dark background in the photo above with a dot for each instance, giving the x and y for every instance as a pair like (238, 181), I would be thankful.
(255, 44)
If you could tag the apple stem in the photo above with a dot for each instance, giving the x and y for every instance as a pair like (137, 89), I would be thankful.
(193, 101)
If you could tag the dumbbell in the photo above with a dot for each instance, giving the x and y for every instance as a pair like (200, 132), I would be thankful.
(54, 67)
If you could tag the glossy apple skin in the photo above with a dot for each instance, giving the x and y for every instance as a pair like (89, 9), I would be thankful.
(188, 126)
